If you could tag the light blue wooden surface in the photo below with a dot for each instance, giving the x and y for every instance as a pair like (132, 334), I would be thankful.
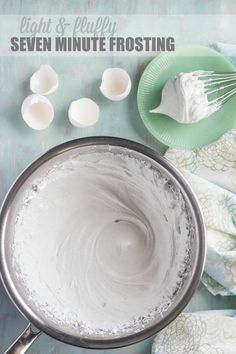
(79, 77)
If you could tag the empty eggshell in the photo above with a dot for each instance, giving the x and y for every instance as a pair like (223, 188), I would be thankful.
(116, 84)
(44, 81)
(37, 111)
(83, 112)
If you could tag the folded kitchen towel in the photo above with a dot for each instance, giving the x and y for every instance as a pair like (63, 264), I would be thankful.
(211, 171)
(211, 332)
(229, 50)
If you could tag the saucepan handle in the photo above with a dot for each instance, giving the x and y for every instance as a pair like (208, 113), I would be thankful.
(24, 341)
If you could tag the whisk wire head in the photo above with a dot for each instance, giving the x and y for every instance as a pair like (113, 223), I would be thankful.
(223, 83)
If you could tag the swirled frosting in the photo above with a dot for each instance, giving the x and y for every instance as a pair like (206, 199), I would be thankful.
(100, 242)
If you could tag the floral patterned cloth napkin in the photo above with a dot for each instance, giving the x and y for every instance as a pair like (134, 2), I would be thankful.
(211, 171)
(211, 332)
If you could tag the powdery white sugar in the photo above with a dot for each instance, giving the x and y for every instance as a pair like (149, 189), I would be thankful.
(101, 243)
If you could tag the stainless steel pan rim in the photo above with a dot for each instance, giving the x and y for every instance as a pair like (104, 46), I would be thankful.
(106, 343)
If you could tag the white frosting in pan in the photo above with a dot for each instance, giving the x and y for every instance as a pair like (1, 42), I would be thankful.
(100, 242)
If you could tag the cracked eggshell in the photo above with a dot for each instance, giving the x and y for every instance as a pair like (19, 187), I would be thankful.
(37, 111)
(44, 81)
(116, 84)
(83, 112)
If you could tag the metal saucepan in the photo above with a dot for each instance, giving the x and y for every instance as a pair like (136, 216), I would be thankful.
(38, 323)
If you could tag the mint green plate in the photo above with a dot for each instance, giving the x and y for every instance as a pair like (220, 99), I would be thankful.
(183, 136)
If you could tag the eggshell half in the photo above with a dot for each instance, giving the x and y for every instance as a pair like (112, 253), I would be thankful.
(83, 112)
(116, 84)
(44, 81)
(37, 111)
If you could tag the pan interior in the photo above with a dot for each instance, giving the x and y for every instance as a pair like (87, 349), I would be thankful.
(101, 242)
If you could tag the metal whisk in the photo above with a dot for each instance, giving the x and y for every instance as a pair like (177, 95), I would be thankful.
(214, 83)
